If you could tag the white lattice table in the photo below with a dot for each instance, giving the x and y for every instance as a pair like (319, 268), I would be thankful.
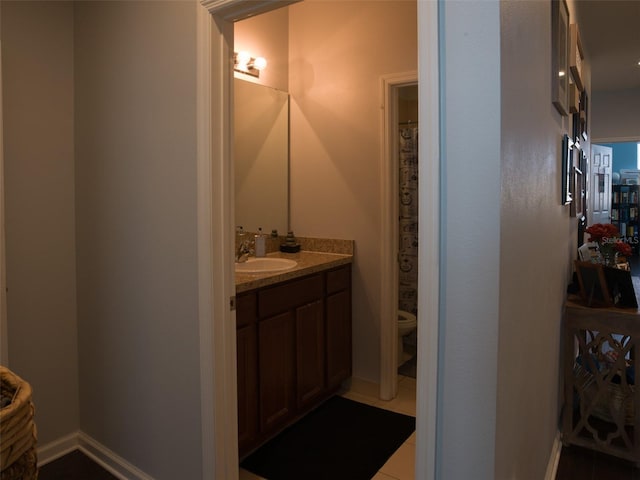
(601, 405)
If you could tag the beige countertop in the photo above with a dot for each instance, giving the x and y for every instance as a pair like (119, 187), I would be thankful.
(308, 262)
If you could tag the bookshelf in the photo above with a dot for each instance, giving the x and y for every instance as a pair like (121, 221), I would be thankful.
(624, 212)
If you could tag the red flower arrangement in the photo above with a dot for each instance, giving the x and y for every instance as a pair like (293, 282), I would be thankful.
(602, 232)
(623, 248)
(607, 236)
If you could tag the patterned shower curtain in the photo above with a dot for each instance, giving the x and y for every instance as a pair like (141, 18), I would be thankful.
(408, 241)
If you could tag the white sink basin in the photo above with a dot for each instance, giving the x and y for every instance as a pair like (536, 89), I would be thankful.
(265, 265)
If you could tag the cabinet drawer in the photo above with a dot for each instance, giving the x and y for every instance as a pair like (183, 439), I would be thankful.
(246, 309)
(289, 295)
(339, 279)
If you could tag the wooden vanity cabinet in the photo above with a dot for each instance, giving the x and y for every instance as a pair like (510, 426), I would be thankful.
(291, 358)
(300, 333)
(276, 362)
(338, 305)
(247, 368)
(310, 354)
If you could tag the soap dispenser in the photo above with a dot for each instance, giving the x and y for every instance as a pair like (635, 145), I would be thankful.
(260, 242)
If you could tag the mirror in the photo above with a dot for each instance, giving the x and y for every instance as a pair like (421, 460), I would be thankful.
(261, 157)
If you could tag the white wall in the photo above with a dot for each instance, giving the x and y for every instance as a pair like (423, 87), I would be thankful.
(614, 115)
(471, 243)
(37, 83)
(338, 52)
(136, 210)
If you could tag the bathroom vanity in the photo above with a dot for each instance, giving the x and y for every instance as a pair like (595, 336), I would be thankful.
(293, 343)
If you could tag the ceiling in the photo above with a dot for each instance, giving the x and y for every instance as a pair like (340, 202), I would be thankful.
(610, 35)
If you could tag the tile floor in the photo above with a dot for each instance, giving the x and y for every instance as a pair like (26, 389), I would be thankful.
(401, 464)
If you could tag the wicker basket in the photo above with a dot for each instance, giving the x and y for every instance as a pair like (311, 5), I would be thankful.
(18, 459)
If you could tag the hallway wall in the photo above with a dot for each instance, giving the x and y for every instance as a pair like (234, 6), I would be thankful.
(136, 184)
(37, 88)
(99, 122)
(538, 243)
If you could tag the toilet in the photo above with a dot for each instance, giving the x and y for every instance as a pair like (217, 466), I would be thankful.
(407, 323)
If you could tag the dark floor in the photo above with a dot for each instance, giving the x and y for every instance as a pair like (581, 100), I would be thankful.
(74, 466)
(578, 463)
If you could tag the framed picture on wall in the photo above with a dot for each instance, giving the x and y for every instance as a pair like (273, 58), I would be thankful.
(567, 169)
(578, 186)
(576, 129)
(584, 168)
(574, 98)
(560, 56)
(584, 115)
(575, 56)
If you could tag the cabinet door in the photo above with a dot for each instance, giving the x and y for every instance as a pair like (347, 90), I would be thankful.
(247, 369)
(247, 357)
(310, 353)
(276, 360)
(338, 338)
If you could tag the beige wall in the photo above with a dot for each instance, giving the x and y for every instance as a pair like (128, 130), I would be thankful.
(337, 52)
(538, 240)
(116, 82)
(614, 115)
(136, 207)
(37, 83)
(266, 35)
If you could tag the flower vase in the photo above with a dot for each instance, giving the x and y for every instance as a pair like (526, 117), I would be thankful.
(608, 258)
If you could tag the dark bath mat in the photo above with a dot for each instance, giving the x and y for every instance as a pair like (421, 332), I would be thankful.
(340, 440)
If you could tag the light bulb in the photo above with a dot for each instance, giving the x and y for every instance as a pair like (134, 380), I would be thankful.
(260, 63)
(243, 58)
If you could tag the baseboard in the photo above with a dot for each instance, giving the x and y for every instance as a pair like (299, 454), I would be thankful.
(109, 460)
(554, 459)
(58, 448)
(100, 454)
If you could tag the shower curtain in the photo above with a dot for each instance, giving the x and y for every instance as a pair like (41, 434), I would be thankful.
(408, 215)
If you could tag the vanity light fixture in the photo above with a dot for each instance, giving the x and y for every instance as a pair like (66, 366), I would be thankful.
(243, 62)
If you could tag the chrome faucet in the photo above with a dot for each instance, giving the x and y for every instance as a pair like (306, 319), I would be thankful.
(243, 251)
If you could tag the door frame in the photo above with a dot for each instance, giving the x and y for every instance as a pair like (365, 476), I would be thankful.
(427, 463)
(215, 233)
(218, 391)
(216, 284)
(389, 230)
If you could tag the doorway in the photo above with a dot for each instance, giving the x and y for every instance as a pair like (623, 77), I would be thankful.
(390, 300)
(615, 176)
(215, 50)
